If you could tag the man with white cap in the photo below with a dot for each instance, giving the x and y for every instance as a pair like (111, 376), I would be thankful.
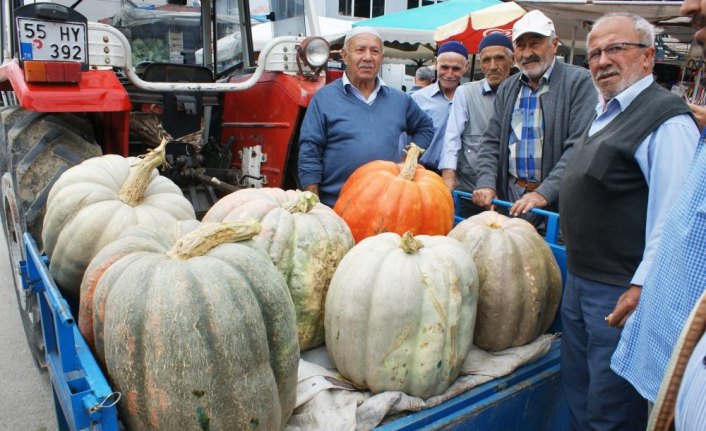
(355, 120)
(436, 99)
(539, 114)
(470, 112)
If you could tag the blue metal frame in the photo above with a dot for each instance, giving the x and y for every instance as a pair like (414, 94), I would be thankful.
(82, 396)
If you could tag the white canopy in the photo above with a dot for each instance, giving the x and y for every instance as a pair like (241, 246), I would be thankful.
(573, 18)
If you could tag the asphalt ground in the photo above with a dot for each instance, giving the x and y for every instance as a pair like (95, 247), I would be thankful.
(26, 402)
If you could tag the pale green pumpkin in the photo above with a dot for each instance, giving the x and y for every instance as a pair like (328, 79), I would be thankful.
(199, 330)
(400, 313)
(92, 203)
(304, 238)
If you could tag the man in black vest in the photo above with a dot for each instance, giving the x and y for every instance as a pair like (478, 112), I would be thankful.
(615, 194)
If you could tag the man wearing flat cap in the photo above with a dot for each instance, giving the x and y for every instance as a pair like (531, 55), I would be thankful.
(435, 99)
(539, 114)
(356, 119)
(470, 112)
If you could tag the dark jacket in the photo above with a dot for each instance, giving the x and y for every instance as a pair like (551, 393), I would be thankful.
(567, 108)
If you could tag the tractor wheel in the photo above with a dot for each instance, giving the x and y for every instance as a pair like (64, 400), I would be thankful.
(37, 149)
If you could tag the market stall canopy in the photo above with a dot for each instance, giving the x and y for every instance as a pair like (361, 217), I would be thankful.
(410, 33)
(573, 18)
(472, 28)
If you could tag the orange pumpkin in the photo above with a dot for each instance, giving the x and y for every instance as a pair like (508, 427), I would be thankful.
(383, 196)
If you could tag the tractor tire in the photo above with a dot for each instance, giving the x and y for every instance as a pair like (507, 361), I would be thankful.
(37, 149)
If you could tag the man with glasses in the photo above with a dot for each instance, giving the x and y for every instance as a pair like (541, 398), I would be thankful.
(539, 114)
(615, 194)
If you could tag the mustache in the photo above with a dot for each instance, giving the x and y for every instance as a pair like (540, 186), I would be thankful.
(531, 58)
(611, 70)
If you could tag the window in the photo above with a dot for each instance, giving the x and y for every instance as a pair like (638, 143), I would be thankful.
(411, 4)
(361, 8)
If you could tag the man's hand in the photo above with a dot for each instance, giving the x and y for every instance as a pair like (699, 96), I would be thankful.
(449, 177)
(527, 202)
(314, 188)
(699, 113)
(625, 306)
(484, 197)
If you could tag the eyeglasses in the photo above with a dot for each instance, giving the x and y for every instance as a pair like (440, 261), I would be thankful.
(613, 50)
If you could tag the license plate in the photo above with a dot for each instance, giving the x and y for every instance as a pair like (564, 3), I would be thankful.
(52, 41)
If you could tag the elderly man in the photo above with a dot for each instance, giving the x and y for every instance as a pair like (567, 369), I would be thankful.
(674, 284)
(470, 112)
(539, 114)
(423, 77)
(355, 120)
(435, 100)
(615, 195)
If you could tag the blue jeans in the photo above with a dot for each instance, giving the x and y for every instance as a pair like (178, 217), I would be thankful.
(598, 398)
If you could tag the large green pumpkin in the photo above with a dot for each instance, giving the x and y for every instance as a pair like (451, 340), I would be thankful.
(197, 334)
(93, 202)
(520, 281)
(400, 313)
(304, 238)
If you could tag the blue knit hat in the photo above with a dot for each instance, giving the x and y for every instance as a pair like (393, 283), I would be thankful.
(495, 39)
(453, 46)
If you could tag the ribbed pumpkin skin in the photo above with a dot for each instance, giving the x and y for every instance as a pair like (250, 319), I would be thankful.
(84, 214)
(211, 339)
(305, 247)
(398, 321)
(376, 199)
(520, 281)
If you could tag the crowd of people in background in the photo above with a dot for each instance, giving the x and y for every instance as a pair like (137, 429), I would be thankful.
(619, 157)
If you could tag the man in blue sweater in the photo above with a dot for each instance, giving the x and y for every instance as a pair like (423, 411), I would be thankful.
(355, 120)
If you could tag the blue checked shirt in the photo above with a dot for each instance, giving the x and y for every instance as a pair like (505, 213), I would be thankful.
(673, 285)
(527, 134)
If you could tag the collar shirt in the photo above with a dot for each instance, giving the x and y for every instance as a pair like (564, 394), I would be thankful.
(527, 135)
(672, 159)
(349, 87)
(436, 105)
(457, 122)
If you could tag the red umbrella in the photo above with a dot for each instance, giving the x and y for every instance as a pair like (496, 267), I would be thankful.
(471, 29)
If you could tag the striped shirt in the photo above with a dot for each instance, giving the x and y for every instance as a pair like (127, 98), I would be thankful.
(527, 135)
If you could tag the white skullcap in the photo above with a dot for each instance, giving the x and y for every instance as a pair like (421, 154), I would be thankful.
(355, 31)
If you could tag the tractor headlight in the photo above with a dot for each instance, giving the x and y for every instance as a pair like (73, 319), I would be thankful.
(314, 52)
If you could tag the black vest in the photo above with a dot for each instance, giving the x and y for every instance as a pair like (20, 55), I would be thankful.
(603, 194)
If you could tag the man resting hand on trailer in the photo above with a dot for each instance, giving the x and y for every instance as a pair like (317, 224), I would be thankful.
(614, 198)
(355, 120)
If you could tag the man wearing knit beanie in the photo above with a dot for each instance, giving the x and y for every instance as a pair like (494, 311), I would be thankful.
(470, 112)
(435, 99)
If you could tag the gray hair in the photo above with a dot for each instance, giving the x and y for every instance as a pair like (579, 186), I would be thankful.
(424, 73)
(645, 31)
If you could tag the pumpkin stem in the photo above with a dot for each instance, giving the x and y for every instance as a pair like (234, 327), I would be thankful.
(133, 190)
(306, 202)
(410, 162)
(495, 226)
(210, 235)
(410, 244)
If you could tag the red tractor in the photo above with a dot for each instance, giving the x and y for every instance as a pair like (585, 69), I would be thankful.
(70, 91)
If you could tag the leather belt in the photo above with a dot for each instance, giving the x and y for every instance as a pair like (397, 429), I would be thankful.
(527, 185)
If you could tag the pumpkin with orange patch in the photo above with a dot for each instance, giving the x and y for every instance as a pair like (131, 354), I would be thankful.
(195, 328)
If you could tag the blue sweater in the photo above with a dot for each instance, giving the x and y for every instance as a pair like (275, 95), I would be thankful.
(341, 133)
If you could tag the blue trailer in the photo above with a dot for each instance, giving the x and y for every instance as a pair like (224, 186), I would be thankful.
(529, 399)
